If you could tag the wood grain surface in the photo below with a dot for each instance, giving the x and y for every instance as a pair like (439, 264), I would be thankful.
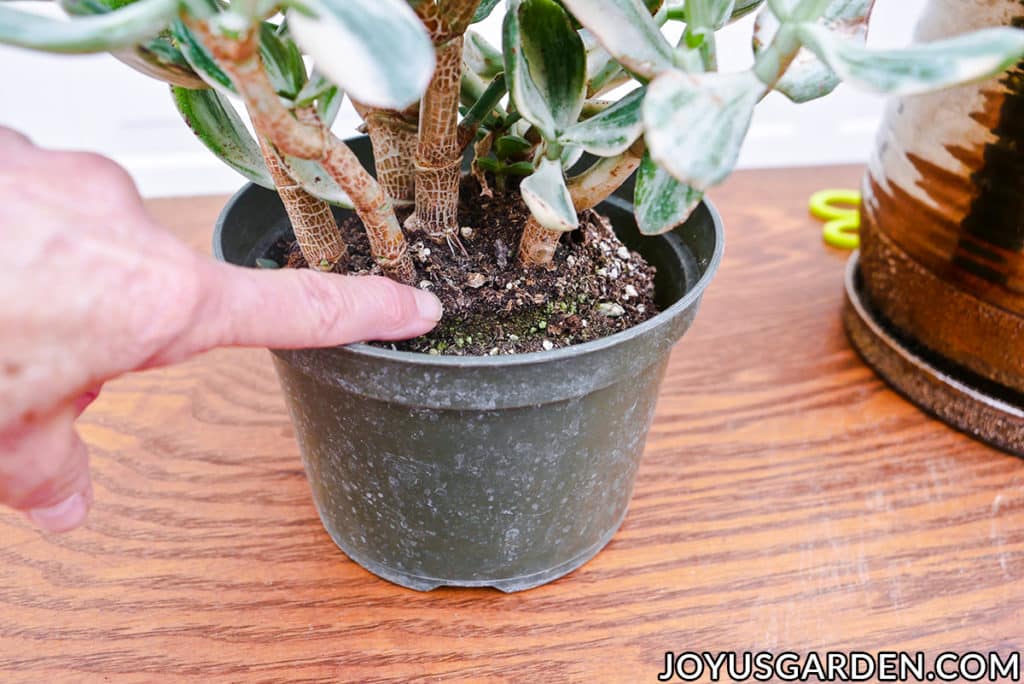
(787, 501)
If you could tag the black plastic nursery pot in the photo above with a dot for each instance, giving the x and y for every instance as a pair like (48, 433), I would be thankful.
(500, 471)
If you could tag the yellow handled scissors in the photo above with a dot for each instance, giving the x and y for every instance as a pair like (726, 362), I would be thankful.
(841, 213)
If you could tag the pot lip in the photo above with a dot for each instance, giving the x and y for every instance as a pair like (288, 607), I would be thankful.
(365, 350)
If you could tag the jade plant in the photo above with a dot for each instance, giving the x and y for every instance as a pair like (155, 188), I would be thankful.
(428, 87)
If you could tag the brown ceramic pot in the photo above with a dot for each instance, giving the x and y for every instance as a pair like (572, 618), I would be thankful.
(942, 257)
(935, 299)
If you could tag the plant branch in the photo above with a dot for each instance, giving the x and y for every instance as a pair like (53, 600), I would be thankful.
(457, 14)
(771, 64)
(538, 244)
(438, 154)
(604, 177)
(316, 231)
(308, 138)
(393, 135)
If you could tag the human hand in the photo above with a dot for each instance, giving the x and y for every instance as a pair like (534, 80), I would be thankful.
(92, 288)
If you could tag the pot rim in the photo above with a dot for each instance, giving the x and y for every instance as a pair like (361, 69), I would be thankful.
(476, 361)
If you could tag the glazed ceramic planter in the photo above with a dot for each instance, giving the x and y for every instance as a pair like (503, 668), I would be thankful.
(941, 268)
(504, 471)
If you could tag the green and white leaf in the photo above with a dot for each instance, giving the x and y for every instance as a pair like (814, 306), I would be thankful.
(484, 10)
(316, 87)
(548, 199)
(485, 60)
(116, 30)
(571, 154)
(320, 92)
(282, 62)
(315, 180)
(808, 78)
(626, 29)
(661, 202)
(603, 72)
(676, 9)
(695, 123)
(710, 14)
(920, 68)
(157, 57)
(613, 130)
(509, 146)
(201, 61)
(745, 7)
(545, 64)
(215, 122)
(377, 51)
(328, 105)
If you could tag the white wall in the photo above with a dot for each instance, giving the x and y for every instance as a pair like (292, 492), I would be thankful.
(95, 103)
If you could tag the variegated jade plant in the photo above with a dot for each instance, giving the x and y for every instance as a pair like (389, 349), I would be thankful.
(530, 109)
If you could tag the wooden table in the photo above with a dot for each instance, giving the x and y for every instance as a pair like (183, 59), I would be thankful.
(787, 500)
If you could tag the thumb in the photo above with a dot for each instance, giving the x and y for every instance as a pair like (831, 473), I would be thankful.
(297, 308)
(44, 471)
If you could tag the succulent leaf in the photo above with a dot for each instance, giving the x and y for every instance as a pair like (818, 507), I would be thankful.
(919, 68)
(745, 7)
(808, 78)
(157, 57)
(201, 61)
(711, 14)
(116, 30)
(282, 61)
(661, 202)
(613, 130)
(676, 9)
(603, 72)
(315, 180)
(695, 123)
(215, 122)
(484, 10)
(546, 65)
(483, 58)
(328, 105)
(626, 29)
(375, 50)
(548, 198)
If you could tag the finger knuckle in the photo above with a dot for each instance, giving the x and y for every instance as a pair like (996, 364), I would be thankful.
(93, 170)
(324, 305)
(391, 305)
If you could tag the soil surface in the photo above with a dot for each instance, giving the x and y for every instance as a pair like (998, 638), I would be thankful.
(492, 305)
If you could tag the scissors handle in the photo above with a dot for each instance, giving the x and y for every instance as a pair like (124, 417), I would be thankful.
(832, 204)
(840, 209)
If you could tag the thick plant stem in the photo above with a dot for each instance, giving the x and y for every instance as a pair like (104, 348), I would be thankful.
(393, 136)
(590, 188)
(537, 245)
(308, 138)
(316, 231)
(387, 242)
(438, 155)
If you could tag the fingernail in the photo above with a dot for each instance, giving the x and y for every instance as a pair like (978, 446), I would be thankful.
(429, 306)
(67, 515)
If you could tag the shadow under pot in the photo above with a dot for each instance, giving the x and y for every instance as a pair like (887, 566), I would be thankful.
(500, 471)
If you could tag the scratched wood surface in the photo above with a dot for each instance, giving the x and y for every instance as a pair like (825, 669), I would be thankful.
(787, 500)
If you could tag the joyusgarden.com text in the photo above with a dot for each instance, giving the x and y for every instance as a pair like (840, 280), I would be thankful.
(840, 666)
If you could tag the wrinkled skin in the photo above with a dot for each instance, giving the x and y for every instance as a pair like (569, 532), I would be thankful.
(92, 287)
